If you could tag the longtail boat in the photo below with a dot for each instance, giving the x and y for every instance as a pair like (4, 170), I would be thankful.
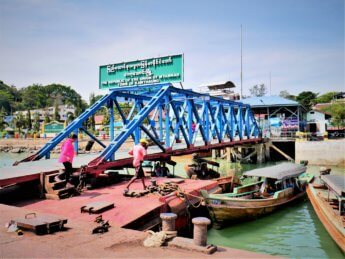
(272, 187)
(329, 205)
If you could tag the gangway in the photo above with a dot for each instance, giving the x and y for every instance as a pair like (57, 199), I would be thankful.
(177, 121)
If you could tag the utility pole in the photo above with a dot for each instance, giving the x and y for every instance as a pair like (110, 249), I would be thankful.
(241, 68)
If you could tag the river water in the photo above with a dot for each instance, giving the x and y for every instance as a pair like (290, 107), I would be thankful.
(293, 232)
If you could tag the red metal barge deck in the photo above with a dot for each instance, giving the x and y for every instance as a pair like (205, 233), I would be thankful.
(130, 212)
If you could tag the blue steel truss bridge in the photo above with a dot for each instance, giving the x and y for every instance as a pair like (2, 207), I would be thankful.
(176, 121)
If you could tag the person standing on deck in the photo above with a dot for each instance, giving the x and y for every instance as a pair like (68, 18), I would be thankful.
(66, 158)
(138, 152)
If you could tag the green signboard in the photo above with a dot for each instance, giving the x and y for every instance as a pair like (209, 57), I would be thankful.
(53, 127)
(167, 69)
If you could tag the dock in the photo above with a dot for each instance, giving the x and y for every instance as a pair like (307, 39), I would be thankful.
(78, 242)
(137, 213)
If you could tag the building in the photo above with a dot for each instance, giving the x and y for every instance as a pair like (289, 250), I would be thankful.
(317, 121)
(221, 89)
(278, 117)
(64, 110)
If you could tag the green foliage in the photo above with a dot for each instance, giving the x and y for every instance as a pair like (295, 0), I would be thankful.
(3, 124)
(325, 98)
(258, 90)
(20, 121)
(306, 99)
(9, 97)
(34, 97)
(70, 118)
(337, 111)
(36, 122)
(6, 100)
(37, 96)
(285, 94)
(46, 118)
(106, 119)
(28, 120)
(56, 116)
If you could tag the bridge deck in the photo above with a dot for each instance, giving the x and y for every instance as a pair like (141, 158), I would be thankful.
(29, 171)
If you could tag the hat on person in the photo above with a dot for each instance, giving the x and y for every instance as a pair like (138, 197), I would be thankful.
(73, 136)
(143, 141)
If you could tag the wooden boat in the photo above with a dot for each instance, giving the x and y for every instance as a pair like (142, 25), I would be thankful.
(288, 183)
(329, 205)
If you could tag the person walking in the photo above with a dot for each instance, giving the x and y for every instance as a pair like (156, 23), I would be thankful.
(138, 152)
(66, 158)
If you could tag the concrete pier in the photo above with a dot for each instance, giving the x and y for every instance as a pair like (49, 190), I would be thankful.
(329, 152)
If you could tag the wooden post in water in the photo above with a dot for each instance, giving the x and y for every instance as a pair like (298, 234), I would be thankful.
(260, 153)
(228, 154)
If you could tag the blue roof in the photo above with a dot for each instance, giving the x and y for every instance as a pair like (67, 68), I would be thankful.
(265, 101)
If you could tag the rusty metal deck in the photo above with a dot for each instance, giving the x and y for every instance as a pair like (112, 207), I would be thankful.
(127, 209)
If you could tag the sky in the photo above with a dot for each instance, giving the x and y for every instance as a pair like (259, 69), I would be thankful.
(292, 45)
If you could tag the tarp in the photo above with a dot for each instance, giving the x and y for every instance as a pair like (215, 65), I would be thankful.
(279, 172)
(336, 183)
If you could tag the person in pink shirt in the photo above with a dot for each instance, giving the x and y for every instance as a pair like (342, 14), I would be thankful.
(66, 157)
(138, 152)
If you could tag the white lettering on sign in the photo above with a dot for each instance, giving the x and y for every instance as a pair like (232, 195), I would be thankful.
(144, 64)
(148, 79)
(140, 72)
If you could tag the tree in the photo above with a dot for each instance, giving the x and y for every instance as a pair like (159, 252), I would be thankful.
(6, 100)
(306, 99)
(36, 124)
(34, 97)
(258, 90)
(56, 116)
(28, 120)
(337, 111)
(19, 121)
(325, 98)
(285, 94)
(2, 118)
(9, 97)
(105, 113)
(46, 117)
(70, 118)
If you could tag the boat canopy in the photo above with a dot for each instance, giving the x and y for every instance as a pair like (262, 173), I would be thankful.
(336, 183)
(279, 172)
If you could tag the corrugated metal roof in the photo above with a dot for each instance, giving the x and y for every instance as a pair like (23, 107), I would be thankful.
(336, 183)
(280, 172)
(265, 101)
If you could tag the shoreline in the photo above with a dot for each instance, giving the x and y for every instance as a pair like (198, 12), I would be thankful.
(31, 145)
(311, 151)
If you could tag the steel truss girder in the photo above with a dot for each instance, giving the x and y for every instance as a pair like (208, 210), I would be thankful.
(164, 115)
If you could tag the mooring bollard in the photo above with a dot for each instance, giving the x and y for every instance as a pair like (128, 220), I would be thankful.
(200, 230)
(168, 221)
